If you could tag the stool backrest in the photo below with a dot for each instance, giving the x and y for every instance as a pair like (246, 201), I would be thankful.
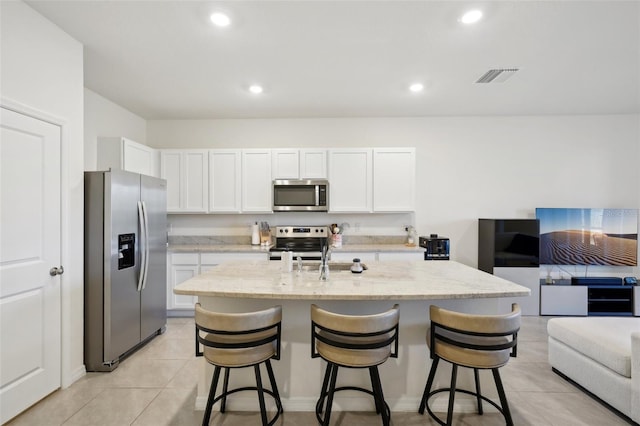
(238, 330)
(477, 332)
(355, 332)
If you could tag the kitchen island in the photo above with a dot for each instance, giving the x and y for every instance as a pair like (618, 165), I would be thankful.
(245, 286)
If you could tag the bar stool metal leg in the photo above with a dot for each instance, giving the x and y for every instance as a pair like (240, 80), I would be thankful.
(263, 408)
(375, 389)
(503, 397)
(323, 391)
(379, 396)
(476, 376)
(212, 394)
(225, 388)
(274, 385)
(452, 392)
(331, 391)
(427, 388)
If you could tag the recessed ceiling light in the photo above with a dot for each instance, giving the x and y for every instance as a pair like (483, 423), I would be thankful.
(416, 87)
(219, 19)
(256, 89)
(471, 17)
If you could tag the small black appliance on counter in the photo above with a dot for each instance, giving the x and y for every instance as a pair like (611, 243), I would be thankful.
(437, 248)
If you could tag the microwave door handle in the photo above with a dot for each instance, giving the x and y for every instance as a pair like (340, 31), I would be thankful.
(317, 195)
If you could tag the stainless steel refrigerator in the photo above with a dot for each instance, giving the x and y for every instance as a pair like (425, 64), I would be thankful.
(125, 275)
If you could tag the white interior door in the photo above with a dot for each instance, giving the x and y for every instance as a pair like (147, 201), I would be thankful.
(29, 249)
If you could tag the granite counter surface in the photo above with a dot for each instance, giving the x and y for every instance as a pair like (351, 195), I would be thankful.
(247, 248)
(381, 281)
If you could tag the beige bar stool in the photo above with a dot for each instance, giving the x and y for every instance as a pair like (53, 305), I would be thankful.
(353, 341)
(472, 341)
(235, 341)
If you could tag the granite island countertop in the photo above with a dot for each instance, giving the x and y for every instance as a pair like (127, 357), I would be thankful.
(417, 280)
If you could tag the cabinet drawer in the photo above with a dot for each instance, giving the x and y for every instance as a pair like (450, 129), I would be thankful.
(185, 259)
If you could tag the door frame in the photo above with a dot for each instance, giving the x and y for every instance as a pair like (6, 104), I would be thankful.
(67, 377)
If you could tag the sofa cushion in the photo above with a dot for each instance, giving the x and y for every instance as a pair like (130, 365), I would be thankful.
(606, 340)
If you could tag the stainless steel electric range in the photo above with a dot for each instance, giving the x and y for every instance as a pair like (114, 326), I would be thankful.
(304, 241)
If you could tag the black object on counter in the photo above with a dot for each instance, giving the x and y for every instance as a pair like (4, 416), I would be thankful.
(437, 248)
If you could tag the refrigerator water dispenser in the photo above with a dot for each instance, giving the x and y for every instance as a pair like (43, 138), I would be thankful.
(126, 251)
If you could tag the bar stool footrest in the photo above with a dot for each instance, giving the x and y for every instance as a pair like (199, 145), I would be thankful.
(255, 388)
(320, 403)
(434, 417)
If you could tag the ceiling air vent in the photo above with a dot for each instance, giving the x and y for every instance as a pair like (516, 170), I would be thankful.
(497, 75)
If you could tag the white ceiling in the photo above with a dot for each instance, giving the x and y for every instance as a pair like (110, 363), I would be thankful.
(164, 60)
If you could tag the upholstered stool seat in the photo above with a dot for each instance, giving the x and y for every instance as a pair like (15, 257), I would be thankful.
(353, 341)
(472, 341)
(235, 341)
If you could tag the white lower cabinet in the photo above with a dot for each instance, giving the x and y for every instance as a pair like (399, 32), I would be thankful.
(374, 256)
(183, 266)
(564, 300)
(400, 256)
(342, 256)
(211, 260)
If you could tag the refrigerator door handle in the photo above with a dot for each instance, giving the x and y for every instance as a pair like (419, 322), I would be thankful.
(146, 244)
(143, 246)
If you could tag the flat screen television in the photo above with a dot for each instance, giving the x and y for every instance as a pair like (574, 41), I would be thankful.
(574, 236)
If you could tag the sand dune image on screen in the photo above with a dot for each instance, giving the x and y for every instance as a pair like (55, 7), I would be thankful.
(577, 247)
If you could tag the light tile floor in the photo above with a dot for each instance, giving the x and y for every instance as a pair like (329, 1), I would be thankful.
(157, 386)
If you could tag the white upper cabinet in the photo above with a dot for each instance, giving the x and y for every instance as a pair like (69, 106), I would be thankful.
(394, 179)
(313, 163)
(225, 181)
(285, 164)
(256, 180)
(125, 154)
(306, 163)
(350, 180)
(187, 175)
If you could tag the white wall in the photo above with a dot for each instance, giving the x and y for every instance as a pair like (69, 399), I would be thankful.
(467, 167)
(105, 118)
(41, 68)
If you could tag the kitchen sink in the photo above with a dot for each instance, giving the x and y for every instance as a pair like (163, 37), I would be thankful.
(333, 266)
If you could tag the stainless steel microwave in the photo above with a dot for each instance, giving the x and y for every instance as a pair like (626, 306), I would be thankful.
(300, 195)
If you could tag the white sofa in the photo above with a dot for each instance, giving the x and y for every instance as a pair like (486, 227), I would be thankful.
(601, 354)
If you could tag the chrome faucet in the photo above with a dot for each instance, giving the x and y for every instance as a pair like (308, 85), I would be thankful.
(324, 263)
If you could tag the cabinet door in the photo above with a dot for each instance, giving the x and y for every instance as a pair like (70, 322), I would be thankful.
(171, 171)
(342, 256)
(350, 177)
(138, 158)
(209, 261)
(394, 179)
(178, 274)
(195, 184)
(225, 179)
(125, 154)
(563, 300)
(256, 181)
(313, 164)
(285, 164)
(401, 256)
(187, 176)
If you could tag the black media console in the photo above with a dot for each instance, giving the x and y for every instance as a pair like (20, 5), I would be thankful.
(607, 295)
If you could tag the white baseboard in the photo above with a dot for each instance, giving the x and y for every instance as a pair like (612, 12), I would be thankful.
(75, 375)
(463, 404)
